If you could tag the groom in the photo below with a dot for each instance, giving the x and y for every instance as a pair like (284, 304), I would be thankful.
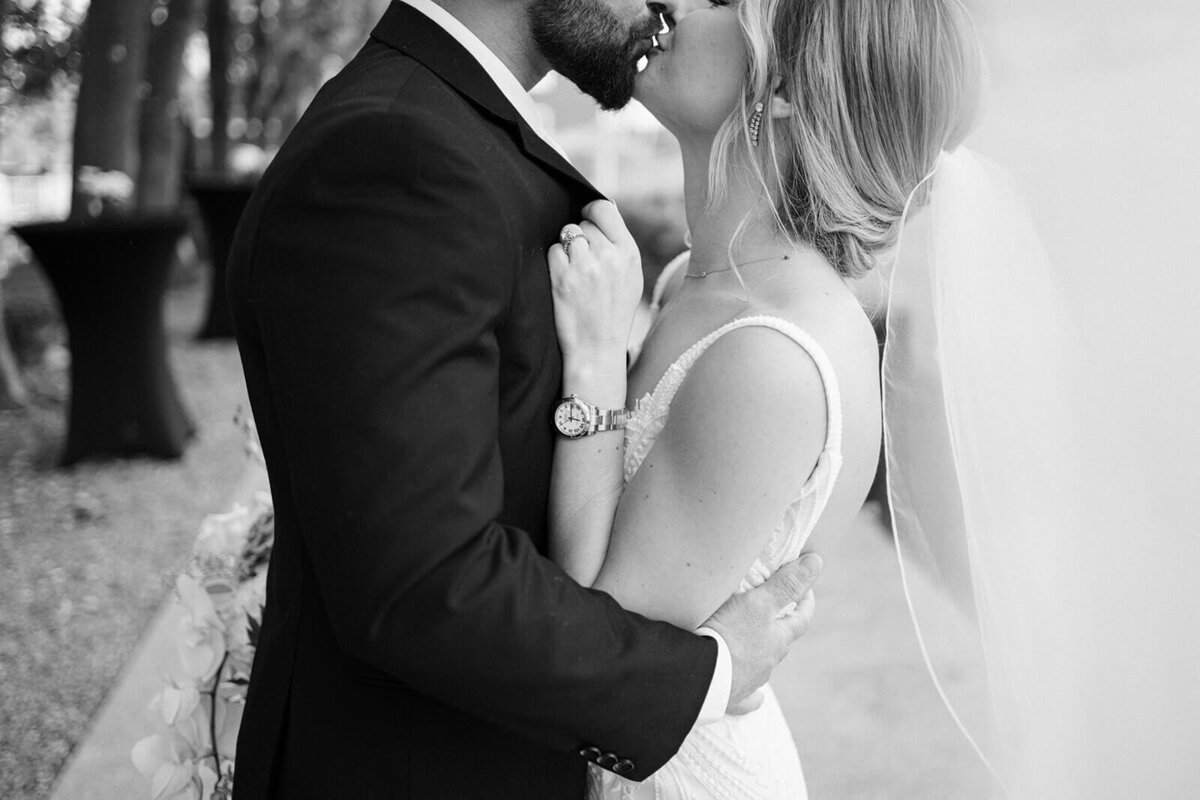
(394, 316)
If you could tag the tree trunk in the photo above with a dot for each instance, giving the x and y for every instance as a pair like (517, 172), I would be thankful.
(106, 122)
(12, 388)
(258, 87)
(162, 135)
(220, 58)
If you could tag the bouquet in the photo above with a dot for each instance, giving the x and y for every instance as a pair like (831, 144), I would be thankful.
(222, 591)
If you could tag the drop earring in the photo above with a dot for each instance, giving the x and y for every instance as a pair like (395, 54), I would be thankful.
(755, 123)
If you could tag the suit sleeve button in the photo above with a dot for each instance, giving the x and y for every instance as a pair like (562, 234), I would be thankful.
(623, 766)
(590, 753)
(607, 761)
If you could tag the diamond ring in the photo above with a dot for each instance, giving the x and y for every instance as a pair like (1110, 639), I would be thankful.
(568, 236)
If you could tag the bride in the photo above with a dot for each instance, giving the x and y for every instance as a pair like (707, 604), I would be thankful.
(754, 426)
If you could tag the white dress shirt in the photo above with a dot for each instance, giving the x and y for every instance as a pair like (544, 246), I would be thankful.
(722, 681)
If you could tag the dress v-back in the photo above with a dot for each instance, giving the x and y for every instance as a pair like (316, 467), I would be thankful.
(751, 756)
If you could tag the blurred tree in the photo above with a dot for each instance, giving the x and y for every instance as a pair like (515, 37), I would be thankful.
(107, 118)
(159, 184)
(39, 51)
(12, 388)
(268, 57)
(219, 29)
(127, 113)
(39, 45)
(279, 53)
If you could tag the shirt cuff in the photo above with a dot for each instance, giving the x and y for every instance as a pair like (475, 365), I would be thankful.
(717, 699)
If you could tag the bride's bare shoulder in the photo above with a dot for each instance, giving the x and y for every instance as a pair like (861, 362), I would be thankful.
(826, 307)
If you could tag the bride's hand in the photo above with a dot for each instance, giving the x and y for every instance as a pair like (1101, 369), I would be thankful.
(597, 284)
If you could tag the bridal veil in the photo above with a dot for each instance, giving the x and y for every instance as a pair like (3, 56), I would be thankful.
(1016, 485)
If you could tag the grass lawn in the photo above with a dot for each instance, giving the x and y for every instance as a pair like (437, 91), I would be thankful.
(86, 554)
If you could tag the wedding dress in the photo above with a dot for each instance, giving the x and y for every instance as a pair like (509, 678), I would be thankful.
(750, 756)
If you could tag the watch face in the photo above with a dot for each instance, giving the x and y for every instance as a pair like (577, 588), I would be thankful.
(572, 418)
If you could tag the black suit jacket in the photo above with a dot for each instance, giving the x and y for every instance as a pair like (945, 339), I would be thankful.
(393, 310)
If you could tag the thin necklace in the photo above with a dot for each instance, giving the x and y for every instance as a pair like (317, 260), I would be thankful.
(708, 272)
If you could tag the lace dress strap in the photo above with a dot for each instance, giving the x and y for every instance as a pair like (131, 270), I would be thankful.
(833, 397)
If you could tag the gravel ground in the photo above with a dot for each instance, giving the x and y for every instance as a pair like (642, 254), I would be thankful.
(86, 553)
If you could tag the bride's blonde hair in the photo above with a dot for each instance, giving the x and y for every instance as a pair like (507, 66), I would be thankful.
(878, 88)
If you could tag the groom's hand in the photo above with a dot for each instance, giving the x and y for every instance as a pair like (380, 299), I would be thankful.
(761, 625)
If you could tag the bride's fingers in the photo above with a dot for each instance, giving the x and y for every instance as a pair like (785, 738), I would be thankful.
(597, 240)
(557, 259)
(572, 235)
(604, 215)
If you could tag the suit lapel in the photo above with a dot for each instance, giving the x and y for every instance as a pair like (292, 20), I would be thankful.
(411, 32)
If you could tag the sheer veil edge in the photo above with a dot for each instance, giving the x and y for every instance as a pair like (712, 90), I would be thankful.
(1008, 497)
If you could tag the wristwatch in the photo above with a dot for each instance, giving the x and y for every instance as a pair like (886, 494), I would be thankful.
(575, 418)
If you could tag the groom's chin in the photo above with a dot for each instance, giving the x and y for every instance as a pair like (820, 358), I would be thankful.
(615, 104)
(612, 94)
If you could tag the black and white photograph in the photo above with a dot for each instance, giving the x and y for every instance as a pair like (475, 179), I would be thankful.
(599, 400)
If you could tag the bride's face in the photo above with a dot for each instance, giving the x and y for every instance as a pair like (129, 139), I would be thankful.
(694, 80)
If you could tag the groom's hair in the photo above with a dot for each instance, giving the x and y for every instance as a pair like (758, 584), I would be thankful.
(878, 90)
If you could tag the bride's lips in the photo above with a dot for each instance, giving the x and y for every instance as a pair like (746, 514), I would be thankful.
(651, 42)
(649, 48)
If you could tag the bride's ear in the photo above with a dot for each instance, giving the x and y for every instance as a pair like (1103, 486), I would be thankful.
(781, 107)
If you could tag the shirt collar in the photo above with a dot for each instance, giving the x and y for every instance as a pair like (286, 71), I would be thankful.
(500, 74)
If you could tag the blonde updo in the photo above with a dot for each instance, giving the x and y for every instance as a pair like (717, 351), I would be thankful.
(878, 89)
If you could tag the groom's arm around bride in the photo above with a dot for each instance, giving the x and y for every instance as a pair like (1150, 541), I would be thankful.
(395, 323)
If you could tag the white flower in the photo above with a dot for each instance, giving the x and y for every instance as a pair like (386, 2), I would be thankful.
(180, 708)
(202, 640)
(169, 762)
(264, 501)
(175, 703)
(201, 651)
(237, 643)
(252, 595)
(225, 534)
(221, 592)
(247, 605)
(230, 706)
(197, 604)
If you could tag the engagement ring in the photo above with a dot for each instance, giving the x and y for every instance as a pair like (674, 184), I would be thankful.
(566, 237)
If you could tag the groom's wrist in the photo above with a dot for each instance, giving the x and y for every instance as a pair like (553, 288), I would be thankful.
(717, 699)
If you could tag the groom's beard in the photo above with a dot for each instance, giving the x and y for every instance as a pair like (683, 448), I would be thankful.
(588, 43)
